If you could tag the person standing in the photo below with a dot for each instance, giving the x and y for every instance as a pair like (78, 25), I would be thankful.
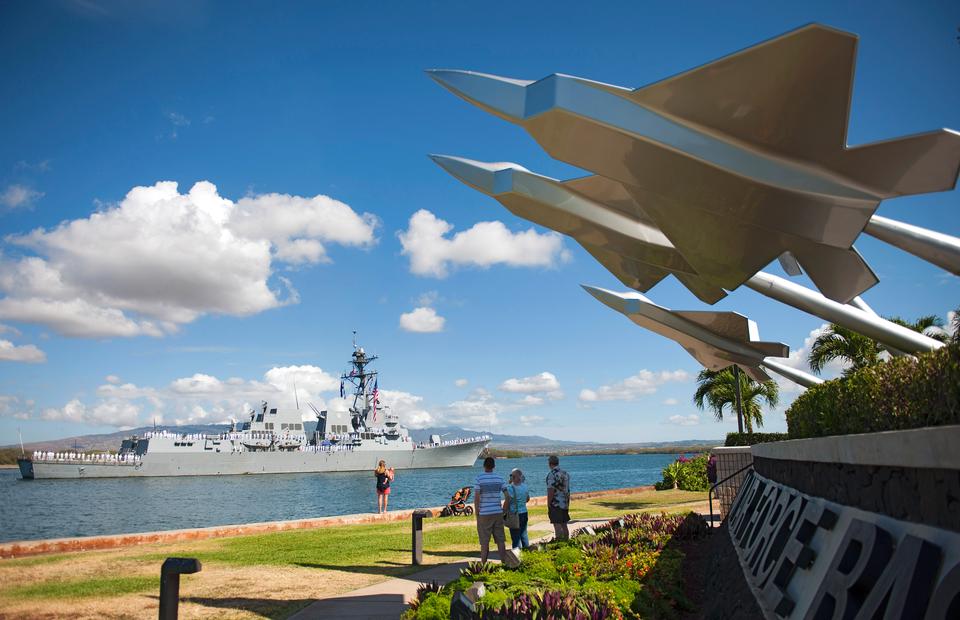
(384, 478)
(489, 492)
(558, 498)
(516, 503)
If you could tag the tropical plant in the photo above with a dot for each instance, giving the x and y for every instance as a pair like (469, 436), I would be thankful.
(839, 343)
(930, 325)
(716, 389)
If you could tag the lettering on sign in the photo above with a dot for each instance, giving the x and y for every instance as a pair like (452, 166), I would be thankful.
(805, 557)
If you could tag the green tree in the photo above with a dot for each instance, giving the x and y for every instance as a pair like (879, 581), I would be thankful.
(716, 389)
(840, 343)
(930, 325)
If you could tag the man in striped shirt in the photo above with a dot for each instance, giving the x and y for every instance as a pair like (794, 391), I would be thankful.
(489, 492)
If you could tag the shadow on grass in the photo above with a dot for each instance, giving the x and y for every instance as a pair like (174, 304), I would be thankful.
(384, 568)
(450, 554)
(261, 607)
(626, 506)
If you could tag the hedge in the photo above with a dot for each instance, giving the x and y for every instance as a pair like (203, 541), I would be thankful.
(749, 439)
(899, 394)
(685, 474)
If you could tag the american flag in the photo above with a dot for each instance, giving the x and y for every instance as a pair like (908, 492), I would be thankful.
(376, 398)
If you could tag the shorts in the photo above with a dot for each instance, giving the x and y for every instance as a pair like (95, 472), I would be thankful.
(490, 525)
(385, 491)
(558, 515)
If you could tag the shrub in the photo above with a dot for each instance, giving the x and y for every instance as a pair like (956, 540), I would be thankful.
(750, 439)
(685, 474)
(900, 394)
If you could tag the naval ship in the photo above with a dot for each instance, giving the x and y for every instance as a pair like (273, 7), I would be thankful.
(273, 442)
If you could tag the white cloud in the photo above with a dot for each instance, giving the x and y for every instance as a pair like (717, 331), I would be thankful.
(112, 412)
(114, 379)
(531, 420)
(432, 253)
(13, 407)
(798, 360)
(423, 320)
(27, 353)
(670, 402)
(9, 329)
(643, 383)
(684, 420)
(160, 259)
(532, 401)
(461, 383)
(478, 412)
(19, 196)
(409, 407)
(543, 382)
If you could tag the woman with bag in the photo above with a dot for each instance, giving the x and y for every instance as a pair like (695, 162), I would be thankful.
(384, 478)
(515, 510)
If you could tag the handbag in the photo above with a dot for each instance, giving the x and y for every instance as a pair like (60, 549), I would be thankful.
(511, 518)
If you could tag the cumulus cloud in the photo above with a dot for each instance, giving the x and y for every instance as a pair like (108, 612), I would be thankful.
(670, 402)
(160, 259)
(111, 412)
(26, 353)
(798, 360)
(461, 383)
(684, 420)
(14, 407)
(432, 252)
(423, 320)
(409, 407)
(643, 383)
(479, 411)
(19, 197)
(531, 420)
(537, 388)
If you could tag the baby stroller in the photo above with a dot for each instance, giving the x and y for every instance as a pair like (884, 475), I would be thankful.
(458, 503)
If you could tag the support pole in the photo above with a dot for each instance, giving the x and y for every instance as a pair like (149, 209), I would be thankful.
(936, 248)
(170, 584)
(869, 325)
(739, 398)
(797, 376)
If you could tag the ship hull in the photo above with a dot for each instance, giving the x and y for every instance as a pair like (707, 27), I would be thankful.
(228, 464)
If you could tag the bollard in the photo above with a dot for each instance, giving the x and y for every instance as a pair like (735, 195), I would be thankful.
(170, 584)
(418, 516)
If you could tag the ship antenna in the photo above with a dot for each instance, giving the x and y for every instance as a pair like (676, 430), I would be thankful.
(296, 398)
(22, 451)
(354, 339)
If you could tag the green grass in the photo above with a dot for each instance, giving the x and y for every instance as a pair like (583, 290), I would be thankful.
(82, 588)
(37, 560)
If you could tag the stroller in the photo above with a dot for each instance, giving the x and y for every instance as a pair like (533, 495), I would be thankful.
(458, 503)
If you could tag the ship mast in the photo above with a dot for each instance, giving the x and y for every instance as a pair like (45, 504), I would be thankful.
(360, 378)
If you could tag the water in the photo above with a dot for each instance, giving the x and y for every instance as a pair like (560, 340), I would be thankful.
(38, 509)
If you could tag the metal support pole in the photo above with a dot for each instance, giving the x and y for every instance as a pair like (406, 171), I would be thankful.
(739, 398)
(170, 584)
(797, 376)
(869, 325)
(937, 248)
(417, 542)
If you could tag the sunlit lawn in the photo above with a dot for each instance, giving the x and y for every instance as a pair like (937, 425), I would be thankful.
(312, 563)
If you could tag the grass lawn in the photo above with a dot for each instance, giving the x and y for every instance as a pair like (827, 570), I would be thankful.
(267, 575)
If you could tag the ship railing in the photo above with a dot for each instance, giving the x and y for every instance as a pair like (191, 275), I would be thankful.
(69, 458)
(459, 441)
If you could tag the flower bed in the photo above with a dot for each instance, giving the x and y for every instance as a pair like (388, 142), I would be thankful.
(628, 568)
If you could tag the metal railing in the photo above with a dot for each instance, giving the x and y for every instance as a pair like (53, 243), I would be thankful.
(716, 486)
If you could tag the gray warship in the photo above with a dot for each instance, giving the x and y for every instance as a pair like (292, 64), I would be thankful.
(273, 442)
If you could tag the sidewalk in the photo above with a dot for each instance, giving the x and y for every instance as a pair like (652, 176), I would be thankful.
(388, 599)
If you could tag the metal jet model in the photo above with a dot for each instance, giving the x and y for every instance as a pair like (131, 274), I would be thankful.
(715, 339)
(737, 161)
(596, 212)
(610, 225)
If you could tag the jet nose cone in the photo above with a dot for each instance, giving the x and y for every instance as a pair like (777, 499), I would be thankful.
(621, 302)
(489, 178)
(502, 96)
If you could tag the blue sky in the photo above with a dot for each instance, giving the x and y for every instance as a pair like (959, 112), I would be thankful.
(313, 122)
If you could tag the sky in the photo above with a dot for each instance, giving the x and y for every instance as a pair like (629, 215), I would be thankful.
(200, 202)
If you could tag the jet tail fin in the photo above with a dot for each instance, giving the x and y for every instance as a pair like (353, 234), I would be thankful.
(840, 275)
(926, 162)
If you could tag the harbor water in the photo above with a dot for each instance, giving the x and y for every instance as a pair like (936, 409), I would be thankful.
(39, 509)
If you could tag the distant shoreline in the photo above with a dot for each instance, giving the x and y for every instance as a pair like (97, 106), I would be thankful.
(510, 453)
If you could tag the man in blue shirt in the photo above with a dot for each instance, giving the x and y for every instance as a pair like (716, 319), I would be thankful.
(488, 495)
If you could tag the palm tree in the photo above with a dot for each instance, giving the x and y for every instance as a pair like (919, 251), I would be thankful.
(929, 325)
(840, 343)
(717, 388)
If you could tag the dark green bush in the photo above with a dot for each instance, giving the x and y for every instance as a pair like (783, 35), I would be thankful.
(750, 439)
(899, 394)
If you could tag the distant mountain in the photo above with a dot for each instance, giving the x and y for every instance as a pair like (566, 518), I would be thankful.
(534, 444)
